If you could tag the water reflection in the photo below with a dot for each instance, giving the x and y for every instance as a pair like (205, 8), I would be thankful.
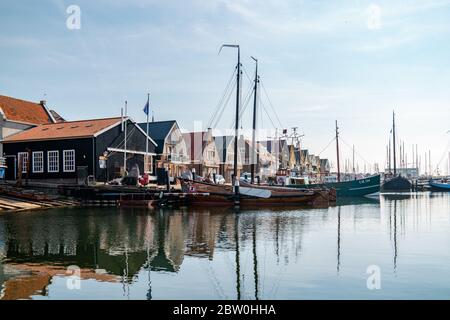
(202, 254)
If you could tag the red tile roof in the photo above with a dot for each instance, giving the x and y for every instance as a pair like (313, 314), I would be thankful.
(64, 130)
(24, 111)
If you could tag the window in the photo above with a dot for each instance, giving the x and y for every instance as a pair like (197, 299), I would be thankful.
(53, 161)
(23, 161)
(38, 162)
(69, 160)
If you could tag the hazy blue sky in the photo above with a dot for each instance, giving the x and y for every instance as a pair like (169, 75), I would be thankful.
(353, 61)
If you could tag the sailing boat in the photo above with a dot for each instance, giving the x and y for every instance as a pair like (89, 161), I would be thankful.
(396, 183)
(250, 194)
(351, 188)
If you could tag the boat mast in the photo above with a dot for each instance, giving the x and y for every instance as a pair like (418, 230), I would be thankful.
(252, 166)
(389, 161)
(236, 128)
(393, 140)
(337, 153)
(125, 141)
(353, 160)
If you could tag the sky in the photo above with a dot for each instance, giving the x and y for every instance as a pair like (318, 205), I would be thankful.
(353, 61)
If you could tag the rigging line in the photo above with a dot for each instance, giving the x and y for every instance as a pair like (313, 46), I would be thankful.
(248, 77)
(122, 143)
(220, 103)
(442, 158)
(264, 108)
(357, 153)
(270, 103)
(231, 82)
(225, 105)
(332, 140)
(245, 105)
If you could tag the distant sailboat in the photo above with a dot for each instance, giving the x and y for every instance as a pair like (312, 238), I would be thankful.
(396, 183)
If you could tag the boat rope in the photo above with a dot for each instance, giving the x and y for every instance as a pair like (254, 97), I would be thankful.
(270, 103)
(358, 154)
(247, 99)
(220, 104)
(442, 158)
(332, 140)
(267, 113)
(224, 105)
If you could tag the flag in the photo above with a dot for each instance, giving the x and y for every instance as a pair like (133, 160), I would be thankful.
(147, 108)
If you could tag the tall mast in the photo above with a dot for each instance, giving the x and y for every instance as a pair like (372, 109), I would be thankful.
(125, 141)
(393, 139)
(353, 160)
(389, 154)
(146, 138)
(337, 153)
(236, 128)
(252, 165)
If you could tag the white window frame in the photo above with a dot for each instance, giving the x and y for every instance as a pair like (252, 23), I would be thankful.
(24, 163)
(48, 161)
(65, 153)
(35, 153)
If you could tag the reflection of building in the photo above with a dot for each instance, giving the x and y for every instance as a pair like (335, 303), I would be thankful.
(34, 279)
(203, 231)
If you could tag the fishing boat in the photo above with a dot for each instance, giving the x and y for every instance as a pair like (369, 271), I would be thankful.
(439, 186)
(349, 188)
(396, 182)
(353, 188)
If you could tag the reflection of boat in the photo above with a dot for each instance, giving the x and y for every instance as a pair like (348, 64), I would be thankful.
(439, 186)
(255, 196)
(345, 201)
(396, 196)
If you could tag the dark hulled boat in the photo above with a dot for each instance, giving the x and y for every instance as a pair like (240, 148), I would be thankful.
(208, 194)
(397, 182)
(353, 188)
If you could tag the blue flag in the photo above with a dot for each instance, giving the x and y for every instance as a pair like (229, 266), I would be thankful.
(147, 108)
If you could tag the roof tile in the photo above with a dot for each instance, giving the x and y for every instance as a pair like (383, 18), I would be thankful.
(64, 130)
(24, 111)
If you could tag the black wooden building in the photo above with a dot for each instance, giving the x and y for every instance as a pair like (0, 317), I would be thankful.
(72, 151)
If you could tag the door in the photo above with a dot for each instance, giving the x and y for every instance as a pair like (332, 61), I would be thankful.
(11, 170)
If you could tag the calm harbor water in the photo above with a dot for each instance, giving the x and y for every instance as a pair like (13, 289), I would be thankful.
(214, 254)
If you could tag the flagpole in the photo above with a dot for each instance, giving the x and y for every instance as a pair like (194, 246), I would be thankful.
(146, 139)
